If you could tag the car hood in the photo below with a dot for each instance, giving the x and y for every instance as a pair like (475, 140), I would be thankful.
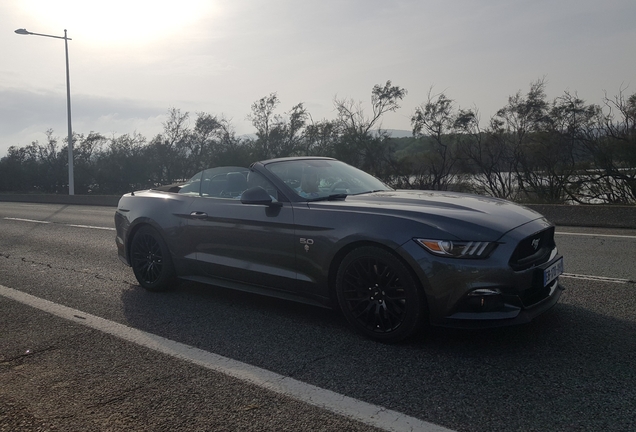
(463, 216)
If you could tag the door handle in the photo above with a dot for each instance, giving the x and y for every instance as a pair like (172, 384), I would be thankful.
(198, 214)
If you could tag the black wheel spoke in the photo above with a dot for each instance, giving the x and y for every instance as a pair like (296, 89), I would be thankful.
(364, 311)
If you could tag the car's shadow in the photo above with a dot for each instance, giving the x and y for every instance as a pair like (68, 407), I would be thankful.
(556, 373)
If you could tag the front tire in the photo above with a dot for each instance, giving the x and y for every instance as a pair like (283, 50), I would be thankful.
(378, 295)
(150, 260)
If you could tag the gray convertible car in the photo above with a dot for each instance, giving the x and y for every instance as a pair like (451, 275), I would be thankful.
(320, 231)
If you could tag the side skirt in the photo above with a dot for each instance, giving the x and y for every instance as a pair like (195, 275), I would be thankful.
(284, 295)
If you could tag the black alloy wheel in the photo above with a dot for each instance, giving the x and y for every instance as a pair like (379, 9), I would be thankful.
(150, 260)
(378, 295)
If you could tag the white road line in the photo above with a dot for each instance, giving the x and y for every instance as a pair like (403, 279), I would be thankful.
(28, 205)
(91, 227)
(596, 278)
(595, 235)
(27, 220)
(367, 413)
(59, 223)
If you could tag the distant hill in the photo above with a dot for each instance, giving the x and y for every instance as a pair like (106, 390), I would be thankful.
(400, 133)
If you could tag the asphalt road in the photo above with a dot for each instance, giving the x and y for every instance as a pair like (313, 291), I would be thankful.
(572, 369)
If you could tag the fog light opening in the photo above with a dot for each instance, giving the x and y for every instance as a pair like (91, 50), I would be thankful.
(484, 300)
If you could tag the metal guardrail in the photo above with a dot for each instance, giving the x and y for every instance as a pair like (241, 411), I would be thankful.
(606, 216)
(96, 200)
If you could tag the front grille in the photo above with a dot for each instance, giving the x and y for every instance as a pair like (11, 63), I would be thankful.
(533, 250)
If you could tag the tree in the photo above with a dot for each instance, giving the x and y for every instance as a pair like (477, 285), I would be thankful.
(85, 151)
(277, 136)
(203, 143)
(572, 128)
(552, 151)
(358, 145)
(123, 166)
(12, 170)
(521, 130)
(435, 124)
(490, 160)
(320, 138)
(614, 151)
(169, 151)
(220, 145)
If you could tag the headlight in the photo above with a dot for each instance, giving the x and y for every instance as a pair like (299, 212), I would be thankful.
(458, 249)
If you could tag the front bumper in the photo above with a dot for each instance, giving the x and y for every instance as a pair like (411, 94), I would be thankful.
(121, 227)
(509, 313)
(467, 293)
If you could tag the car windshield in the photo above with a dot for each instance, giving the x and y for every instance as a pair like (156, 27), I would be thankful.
(317, 179)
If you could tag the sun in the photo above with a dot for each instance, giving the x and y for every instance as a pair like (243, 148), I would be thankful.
(115, 21)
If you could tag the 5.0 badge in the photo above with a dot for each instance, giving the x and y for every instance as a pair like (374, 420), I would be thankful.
(307, 242)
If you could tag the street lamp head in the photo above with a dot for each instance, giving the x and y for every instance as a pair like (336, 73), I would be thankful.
(22, 31)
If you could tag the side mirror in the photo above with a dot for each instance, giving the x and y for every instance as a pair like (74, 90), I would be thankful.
(258, 195)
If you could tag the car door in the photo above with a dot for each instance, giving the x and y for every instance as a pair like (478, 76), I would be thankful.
(245, 243)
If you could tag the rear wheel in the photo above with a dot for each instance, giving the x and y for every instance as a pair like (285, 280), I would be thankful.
(150, 260)
(378, 295)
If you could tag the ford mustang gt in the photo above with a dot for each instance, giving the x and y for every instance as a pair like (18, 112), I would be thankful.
(320, 231)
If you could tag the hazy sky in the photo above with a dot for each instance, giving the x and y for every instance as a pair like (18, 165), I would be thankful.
(132, 60)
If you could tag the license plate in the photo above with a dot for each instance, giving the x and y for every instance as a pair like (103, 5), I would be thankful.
(552, 272)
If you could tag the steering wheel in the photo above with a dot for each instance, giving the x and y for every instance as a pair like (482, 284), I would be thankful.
(339, 184)
(293, 183)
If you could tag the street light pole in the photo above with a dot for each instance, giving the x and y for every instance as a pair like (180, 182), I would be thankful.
(71, 181)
